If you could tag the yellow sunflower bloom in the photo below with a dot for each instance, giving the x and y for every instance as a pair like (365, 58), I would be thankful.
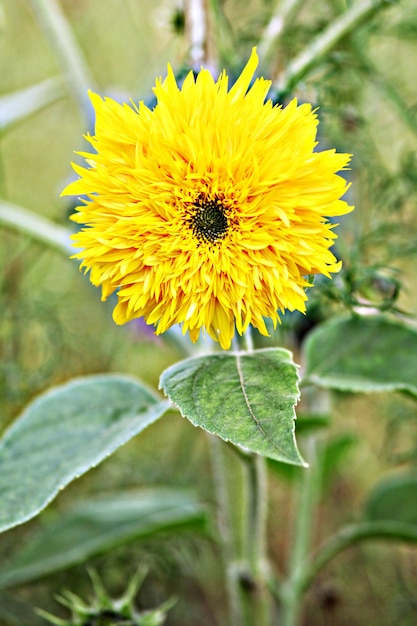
(210, 209)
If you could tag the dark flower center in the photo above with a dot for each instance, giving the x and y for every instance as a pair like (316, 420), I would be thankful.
(108, 618)
(209, 221)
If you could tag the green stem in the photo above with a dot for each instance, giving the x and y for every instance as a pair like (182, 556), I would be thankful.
(226, 52)
(225, 525)
(67, 50)
(37, 227)
(359, 13)
(21, 104)
(352, 534)
(242, 498)
(257, 513)
(3, 182)
(279, 21)
(242, 517)
(253, 589)
(292, 587)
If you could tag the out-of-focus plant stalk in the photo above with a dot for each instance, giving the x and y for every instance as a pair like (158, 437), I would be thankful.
(242, 506)
(255, 599)
(226, 531)
(280, 19)
(353, 534)
(253, 587)
(223, 49)
(242, 516)
(195, 24)
(199, 34)
(306, 495)
(21, 104)
(387, 90)
(67, 51)
(358, 14)
(36, 227)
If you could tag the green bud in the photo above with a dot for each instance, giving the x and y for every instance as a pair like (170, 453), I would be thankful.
(105, 611)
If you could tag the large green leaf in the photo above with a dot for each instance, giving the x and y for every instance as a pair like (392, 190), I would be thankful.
(394, 499)
(99, 524)
(363, 354)
(64, 433)
(245, 398)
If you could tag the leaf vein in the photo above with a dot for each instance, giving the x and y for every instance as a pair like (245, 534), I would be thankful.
(245, 395)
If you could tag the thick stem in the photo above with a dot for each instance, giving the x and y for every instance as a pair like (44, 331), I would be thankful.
(226, 529)
(257, 513)
(242, 498)
(292, 588)
(253, 589)
(241, 491)
(254, 593)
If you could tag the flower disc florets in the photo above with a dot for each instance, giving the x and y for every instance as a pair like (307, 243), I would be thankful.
(209, 210)
(208, 220)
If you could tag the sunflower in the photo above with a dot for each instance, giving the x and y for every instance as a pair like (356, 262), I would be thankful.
(209, 210)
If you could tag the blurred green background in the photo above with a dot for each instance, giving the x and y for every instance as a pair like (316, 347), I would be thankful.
(53, 325)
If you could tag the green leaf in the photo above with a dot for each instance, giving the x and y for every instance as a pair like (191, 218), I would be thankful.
(18, 105)
(363, 354)
(334, 456)
(311, 422)
(98, 525)
(394, 499)
(332, 452)
(245, 398)
(65, 432)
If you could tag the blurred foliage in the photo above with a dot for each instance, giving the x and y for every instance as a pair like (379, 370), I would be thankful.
(53, 325)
